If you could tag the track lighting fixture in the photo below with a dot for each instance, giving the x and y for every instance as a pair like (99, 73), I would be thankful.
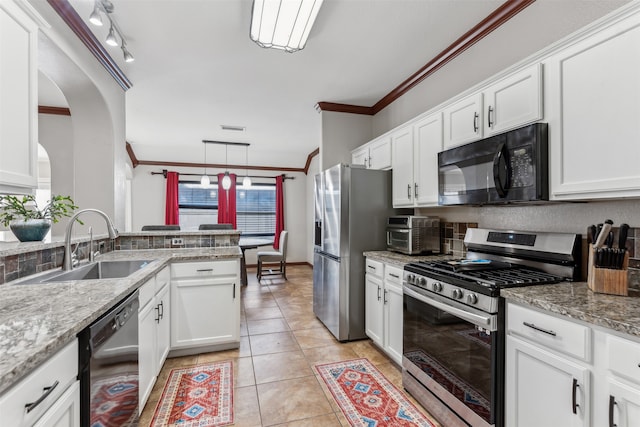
(106, 7)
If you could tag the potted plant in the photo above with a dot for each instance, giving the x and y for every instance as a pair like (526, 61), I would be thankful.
(27, 221)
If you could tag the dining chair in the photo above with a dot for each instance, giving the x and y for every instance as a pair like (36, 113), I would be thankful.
(160, 227)
(272, 257)
(215, 227)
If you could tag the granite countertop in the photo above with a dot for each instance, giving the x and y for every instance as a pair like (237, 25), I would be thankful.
(399, 260)
(577, 301)
(39, 319)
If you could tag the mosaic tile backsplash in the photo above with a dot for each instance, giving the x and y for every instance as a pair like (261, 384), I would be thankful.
(452, 237)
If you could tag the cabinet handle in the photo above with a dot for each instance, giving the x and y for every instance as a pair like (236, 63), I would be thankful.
(394, 275)
(574, 392)
(204, 270)
(369, 161)
(409, 191)
(378, 293)
(162, 309)
(47, 391)
(489, 111)
(385, 297)
(371, 267)
(234, 291)
(537, 328)
(415, 190)
(475, 122)
(612, 403)
(157, 313)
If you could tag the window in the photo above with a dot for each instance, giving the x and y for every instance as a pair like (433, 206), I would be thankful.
(255, 207)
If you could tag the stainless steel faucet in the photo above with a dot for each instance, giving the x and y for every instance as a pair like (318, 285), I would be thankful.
(67, 263)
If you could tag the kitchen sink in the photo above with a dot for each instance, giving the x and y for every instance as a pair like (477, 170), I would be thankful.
(94, 270)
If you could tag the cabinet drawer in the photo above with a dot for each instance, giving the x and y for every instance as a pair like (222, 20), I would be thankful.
(205, 268)
(375, 268)
(393, 275)
(555, 333)
(61, 368)
(146, 292)
(624, 357)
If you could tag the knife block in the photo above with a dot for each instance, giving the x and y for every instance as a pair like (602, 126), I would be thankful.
(607, 280)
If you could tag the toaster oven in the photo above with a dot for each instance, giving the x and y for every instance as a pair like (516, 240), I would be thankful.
(413, 235)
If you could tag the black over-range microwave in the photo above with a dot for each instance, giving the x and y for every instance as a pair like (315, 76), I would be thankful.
(506, 168)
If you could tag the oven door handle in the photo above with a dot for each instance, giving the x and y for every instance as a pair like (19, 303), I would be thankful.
(485, 321)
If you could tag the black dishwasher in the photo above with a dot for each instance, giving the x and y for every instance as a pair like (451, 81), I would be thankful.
(108, 370)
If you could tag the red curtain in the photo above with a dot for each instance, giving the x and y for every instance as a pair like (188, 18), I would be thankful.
(227, 202)
(279, 211)
(172, 211)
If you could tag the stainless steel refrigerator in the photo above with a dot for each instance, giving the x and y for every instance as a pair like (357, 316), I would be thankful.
(352, 205)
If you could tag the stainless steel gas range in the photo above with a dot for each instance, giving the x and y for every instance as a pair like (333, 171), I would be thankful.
(453, 333)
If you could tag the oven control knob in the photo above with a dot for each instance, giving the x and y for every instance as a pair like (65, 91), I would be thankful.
(472, 298)
(411, 278)
(422, 281)
(437, 286)
(458, 294)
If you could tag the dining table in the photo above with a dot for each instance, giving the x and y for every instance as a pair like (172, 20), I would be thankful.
(250, 243)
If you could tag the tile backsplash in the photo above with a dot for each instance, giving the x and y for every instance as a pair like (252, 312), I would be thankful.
(452, 237)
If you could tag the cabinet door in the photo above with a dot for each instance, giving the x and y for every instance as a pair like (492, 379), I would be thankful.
(623, 404)
(593, 115)
(163, 302)
(463, 121)
(373, 310)
(361, 156)
(65, 412)
(402, 160)
(393, 300)
(147, 343)
(540, 388)
(380, 153)
(513, 101)
(18, 100)
(204, 312)
(427, 144)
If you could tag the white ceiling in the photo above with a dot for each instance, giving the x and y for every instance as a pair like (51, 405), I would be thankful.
(197, 69)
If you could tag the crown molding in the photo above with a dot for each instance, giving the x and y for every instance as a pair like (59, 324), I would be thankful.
(493, 21)
(58, 111)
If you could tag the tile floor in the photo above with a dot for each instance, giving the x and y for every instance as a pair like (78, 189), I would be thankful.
(281, 341)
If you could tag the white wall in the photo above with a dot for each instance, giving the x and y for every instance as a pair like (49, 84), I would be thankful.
(341, 133)
(148, 204)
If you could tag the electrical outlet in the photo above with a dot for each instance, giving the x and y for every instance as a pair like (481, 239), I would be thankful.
(176, 241)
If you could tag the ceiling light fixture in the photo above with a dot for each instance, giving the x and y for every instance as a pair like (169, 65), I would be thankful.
(106, 7)
(205, 181)
(226, 179)
(246, 181)
(283, 24)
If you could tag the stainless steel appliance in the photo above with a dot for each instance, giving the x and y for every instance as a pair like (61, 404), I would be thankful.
(413, 235)
(109, 367)
(453, 335)
(351, 209)
(506, 168)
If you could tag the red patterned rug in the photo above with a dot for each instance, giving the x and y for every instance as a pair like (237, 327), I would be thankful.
(114, 401)
(199, 396)
(367, 398)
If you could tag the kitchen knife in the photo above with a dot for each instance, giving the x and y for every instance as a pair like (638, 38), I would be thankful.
(591, 230)
(609, 241)
(622, 236)
(602, 236)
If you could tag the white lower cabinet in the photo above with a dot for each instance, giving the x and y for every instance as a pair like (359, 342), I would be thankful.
(48, 397)
(550, 383)
(205, 299)
(383, 307)
(153, 327)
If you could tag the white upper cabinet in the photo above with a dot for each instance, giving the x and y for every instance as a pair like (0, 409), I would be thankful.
(463, 121)
(513, 101)
(593, 93)
(402, 160)
(18, 100)
(427, 134)
(373, 155)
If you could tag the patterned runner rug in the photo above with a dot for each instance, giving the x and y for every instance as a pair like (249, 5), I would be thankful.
(367, 398)
(199, 396)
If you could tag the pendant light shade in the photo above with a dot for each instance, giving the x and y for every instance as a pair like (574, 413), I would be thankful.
(205, 181)
(95, 17)
(226, 181)
(283, 24)
(246, 182)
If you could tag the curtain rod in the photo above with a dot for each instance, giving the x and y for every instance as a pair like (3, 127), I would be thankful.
(164, 173)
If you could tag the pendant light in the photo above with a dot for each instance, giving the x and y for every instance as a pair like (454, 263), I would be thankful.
(226, 180)
(205, 181)
(246, 182)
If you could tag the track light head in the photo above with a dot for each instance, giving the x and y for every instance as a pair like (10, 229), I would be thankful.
(128, 57)
(111, 37)
(95, 18)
